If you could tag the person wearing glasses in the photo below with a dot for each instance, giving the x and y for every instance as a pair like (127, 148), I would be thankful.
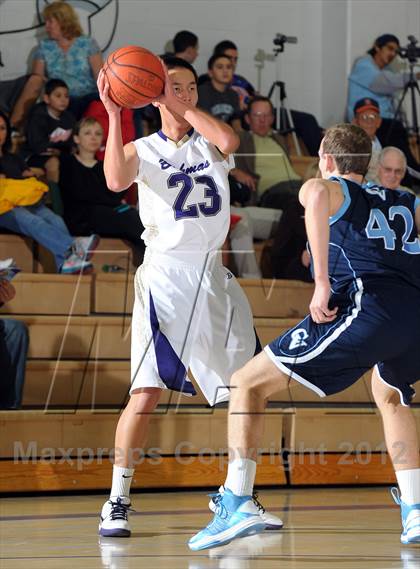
(367, 116)
(391, 169)
(262, 160)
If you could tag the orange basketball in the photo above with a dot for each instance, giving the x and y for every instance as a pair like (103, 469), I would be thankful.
(135, 76)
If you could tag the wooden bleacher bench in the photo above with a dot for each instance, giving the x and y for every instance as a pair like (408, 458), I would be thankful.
(270, 298)
(176, 441)
(21, 249)
(78, 375)
(50, 294)
(31, 257)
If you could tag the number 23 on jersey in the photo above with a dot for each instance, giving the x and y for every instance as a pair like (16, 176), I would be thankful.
(213, 200)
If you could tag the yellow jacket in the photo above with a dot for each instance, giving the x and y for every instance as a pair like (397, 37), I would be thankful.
(20, 192)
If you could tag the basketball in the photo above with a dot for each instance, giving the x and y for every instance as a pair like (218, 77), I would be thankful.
(135, 76)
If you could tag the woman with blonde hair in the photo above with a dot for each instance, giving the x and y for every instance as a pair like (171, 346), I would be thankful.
(69, 55)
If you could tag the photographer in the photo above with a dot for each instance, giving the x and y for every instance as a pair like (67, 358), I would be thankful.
(371, 76)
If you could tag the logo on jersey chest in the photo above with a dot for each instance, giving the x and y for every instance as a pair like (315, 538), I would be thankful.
(164, 165)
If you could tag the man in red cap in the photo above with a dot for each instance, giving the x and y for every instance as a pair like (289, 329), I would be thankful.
(367, 116)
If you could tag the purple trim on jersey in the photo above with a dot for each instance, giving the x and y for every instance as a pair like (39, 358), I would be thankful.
(171, 369)
(163, 135)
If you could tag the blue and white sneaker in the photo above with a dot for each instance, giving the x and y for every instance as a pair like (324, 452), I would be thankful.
(84, 247)
(74, 265)
(410, 517)
(113, 521)
(235, 516)
(272, 522)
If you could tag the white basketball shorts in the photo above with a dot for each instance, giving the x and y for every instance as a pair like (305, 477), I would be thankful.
(189, 315)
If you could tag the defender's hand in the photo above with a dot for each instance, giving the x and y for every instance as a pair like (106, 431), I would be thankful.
(318, 307)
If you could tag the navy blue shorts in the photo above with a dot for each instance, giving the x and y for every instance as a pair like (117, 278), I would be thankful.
(376, 325)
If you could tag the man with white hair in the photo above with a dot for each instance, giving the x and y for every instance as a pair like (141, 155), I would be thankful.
(392, 165)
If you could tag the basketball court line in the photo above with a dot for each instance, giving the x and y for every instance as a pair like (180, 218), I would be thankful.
(201, 511)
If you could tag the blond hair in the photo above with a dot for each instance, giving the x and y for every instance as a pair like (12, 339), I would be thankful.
(66, 17)
(85, 121)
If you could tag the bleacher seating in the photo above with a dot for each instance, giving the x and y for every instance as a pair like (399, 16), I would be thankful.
(78, 377)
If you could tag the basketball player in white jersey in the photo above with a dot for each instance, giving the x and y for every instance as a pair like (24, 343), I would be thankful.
(189, 311)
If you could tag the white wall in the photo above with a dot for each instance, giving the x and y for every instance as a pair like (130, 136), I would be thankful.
(331, 33)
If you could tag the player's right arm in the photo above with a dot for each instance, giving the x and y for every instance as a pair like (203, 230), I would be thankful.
(121, 163)
(315, 198)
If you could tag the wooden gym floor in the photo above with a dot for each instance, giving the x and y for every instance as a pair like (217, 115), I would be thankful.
(351, 528)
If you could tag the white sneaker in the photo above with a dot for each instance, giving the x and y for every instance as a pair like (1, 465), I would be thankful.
(84, 247)
(272, 522)
(74, 265)
(114, 518)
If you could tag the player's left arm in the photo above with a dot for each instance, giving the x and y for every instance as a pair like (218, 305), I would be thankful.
(215, 131)
(315, 198)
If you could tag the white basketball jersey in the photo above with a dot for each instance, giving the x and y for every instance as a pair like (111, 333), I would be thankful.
(183, 189)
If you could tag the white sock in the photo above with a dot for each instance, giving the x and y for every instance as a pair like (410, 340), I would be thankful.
(409, 483)
(241, 476)
(121, 481)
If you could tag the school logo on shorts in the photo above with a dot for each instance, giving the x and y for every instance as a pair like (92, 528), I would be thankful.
(298, 338)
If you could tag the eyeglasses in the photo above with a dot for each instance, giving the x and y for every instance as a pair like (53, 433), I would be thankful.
(368, 116)
(396, 171)
(260, 115)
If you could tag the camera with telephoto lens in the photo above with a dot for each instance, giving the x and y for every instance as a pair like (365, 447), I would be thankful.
(281, 39)
(411, 51)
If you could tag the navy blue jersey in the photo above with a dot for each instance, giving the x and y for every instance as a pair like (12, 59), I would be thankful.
(374, 236)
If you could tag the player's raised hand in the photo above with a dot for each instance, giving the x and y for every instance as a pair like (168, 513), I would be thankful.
(168, 98)
(318, 307)
(103, 88)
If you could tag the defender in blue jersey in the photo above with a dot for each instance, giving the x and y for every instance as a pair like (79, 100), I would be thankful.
(365, 312)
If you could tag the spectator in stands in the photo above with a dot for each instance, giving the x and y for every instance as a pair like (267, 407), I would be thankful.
(392, 165)
(367, 116)
(372, 77)
(97, 111)
(14, 342)
(88, 204)
(49, 130)
(22, 211)
(129, 131)
(290, 258)
(186, 46)
(17, 96)
(239, 84)
(216, 96)
(68, 55)
(262, 161)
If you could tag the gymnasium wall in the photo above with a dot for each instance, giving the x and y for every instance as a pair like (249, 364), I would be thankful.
(331, 33)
